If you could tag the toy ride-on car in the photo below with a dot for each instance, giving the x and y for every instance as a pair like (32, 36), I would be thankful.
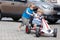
(43, 30)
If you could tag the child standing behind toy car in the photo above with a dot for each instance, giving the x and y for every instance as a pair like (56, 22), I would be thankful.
(37, 20)
(26, 15)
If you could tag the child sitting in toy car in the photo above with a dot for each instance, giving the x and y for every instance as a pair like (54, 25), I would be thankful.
(37, 20)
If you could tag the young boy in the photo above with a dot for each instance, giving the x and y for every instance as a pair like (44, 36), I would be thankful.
(37, 20)
(26, 15)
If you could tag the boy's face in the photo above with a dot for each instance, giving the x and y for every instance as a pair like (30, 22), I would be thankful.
(32, 6)
(39, 13)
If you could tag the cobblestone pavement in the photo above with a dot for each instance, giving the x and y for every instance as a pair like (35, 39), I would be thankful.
(8, 31)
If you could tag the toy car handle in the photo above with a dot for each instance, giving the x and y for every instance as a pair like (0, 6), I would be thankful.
(46, 24)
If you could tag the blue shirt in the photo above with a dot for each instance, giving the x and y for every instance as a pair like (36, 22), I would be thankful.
(26, 15)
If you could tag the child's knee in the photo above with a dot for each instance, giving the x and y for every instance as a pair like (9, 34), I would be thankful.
(35, 25)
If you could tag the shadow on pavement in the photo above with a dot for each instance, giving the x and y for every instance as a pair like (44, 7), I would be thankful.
(45, 36)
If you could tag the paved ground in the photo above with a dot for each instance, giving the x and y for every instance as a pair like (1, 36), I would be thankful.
(8, 31)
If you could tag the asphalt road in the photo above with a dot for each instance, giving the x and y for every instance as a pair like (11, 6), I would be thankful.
(8, 31)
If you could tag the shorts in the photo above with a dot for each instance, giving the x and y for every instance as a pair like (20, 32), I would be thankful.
(25, 21)
(36, 22)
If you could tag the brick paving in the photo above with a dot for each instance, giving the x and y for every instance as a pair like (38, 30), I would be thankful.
(8, 31)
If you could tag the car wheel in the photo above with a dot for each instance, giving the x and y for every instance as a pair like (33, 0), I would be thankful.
(15, 18)
(55, 32)
(28, 29)
(52, 21)
(37, 32)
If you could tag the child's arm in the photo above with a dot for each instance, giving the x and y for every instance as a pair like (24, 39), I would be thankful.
(36, 16)
(42, 17)
(34, 13)
(29, 13)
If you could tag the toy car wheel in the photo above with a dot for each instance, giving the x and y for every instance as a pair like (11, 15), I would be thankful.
(55, 32)
(28, 29)
(37, 32)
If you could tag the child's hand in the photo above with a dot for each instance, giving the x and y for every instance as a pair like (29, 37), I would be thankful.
(42, 17)
(38, 17)
(31, 14)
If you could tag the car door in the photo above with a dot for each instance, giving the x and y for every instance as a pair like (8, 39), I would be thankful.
(13, 7)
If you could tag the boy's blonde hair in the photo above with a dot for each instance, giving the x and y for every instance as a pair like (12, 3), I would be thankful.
(30, 4)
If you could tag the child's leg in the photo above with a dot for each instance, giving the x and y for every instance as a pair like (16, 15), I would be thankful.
(19, 27)
(22, 24)
(34, 26)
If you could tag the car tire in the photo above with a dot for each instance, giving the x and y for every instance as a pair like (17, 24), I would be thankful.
(15, 18)
(37, 32)
(28, 29)
(52, 19)
(55, 32)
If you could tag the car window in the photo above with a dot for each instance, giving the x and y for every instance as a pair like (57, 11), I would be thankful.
(6, 0)
(36, 0)
(33, 0)
(46, 6)
(19, 0)
(12, 0)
